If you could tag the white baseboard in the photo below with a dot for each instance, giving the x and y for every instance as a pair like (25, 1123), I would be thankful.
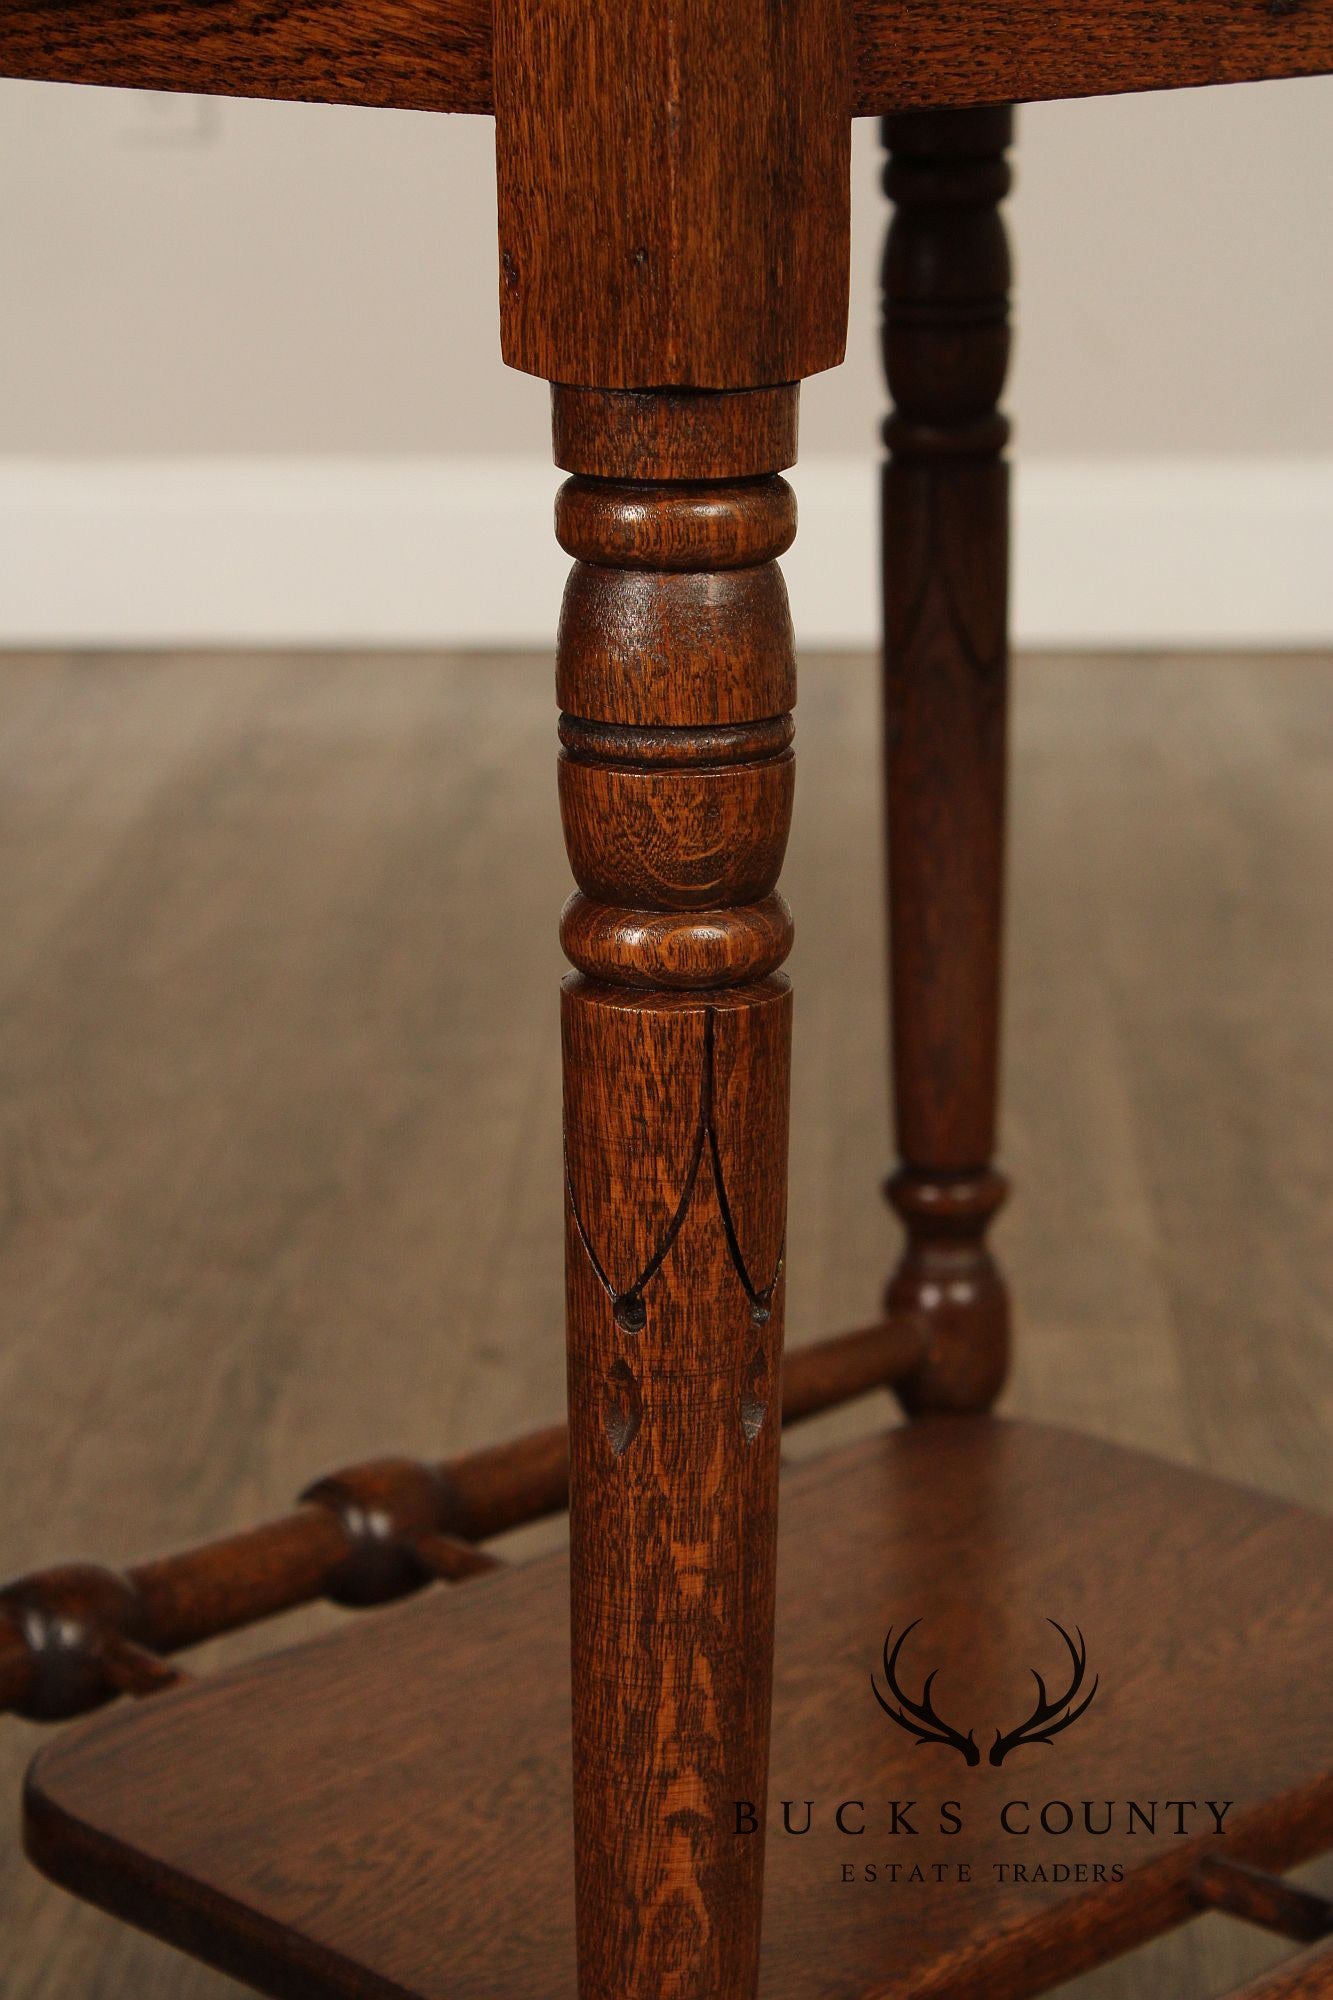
(459, 552)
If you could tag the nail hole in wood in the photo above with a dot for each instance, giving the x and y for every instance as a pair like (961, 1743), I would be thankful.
(754, 1396)
(622, 1407)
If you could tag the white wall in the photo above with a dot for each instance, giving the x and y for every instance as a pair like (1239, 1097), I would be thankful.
(226, 285)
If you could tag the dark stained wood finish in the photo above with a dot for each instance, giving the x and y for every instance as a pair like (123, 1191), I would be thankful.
(65, 1634)
(388, 1809)
(945, 566)
(427, 55)
(689, 950)
(367, 1535)
(676, 803)
(676, 1131)
(680, 434)
(1284, 1907)
(436, 56)
(674, 187)
(355, 919)
(674, 213)
(914, 54)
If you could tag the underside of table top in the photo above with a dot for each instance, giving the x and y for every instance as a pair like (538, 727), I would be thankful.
(436, 55)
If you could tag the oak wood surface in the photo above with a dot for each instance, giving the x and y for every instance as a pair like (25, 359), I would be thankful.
(674, 191)
(430, 55)
(675, 798)
(261, 1123)
(913, 54)
(1259, 1898)
(944, 517)
(441, 1866)
(674, 434)
(435, 55)
(74, 1635)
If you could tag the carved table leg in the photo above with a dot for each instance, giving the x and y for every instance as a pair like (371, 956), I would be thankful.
(945, 524)
(674, 214)
(676, 678)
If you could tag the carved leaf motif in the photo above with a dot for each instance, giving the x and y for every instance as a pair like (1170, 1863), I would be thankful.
(763, 1231)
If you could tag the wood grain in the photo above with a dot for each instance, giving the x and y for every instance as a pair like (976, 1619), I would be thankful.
(425, 55)
(435, 55)
(442, 1863)
(945, 527)
(674, 189)
(627, 434)
(280, 1094)
(915, 54)
(676, 1108)
(364, 1536)
(1220, 1884)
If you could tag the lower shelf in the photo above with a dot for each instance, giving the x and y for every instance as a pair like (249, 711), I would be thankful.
(387, 1811)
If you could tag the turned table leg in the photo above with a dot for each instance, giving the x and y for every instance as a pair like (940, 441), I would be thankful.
(676, 677)
(674, 205)
(945, 527)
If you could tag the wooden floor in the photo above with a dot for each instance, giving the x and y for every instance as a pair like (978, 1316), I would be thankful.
(279, 1101)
